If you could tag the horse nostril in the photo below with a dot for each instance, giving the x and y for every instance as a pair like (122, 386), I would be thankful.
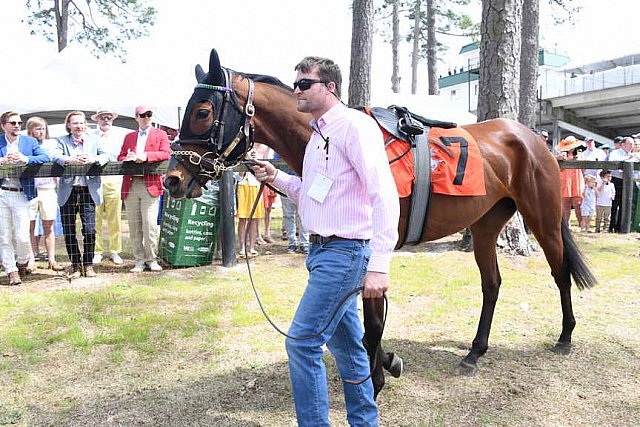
(171, 182)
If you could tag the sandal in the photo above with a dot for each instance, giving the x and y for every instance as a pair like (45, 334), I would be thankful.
(53, 265)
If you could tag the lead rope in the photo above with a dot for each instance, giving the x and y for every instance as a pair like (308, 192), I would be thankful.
(335, 311)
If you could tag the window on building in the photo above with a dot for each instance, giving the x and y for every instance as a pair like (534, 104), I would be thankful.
(454, 92)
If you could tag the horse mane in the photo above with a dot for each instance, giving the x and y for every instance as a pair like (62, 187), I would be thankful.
(270, 80)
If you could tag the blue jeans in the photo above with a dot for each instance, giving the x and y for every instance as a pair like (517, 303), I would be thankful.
(291, 224)
(335, 269)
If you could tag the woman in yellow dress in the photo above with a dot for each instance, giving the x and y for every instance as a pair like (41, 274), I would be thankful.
(247, 189)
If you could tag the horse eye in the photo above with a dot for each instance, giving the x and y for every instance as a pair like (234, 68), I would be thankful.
(203, 113)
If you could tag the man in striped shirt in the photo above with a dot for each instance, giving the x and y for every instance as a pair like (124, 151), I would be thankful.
(349, 204)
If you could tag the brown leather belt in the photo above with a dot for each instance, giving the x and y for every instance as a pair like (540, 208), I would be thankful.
(316, 238)
(17, 190)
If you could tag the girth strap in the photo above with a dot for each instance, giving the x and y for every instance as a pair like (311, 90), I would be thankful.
(421, 191)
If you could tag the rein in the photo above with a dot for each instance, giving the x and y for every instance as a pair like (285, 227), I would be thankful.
(335, 311)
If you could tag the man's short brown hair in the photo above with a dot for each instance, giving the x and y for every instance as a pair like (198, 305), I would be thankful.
(327, 70)
(4, 119)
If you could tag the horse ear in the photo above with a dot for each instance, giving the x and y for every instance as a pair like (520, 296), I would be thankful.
(215, 72)
(200, 74)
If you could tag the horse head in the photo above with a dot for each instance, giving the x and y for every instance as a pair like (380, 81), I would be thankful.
(215, 134)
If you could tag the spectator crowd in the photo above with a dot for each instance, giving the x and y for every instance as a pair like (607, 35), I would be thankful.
(596, 194)
(35, 210)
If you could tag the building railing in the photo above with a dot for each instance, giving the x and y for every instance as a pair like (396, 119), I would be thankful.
(627, 168)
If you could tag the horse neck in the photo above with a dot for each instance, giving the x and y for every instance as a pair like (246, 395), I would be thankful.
(277, 121)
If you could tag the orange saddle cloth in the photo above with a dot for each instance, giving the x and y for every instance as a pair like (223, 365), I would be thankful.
(456, 164)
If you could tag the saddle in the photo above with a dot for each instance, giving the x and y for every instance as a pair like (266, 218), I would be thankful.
(404, 125)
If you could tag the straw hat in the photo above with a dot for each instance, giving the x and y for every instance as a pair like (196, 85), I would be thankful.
(569, 143)
(101, 111)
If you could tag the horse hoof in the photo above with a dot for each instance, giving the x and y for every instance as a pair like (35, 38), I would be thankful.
(563, 348)
(468, 368)
(396, 366)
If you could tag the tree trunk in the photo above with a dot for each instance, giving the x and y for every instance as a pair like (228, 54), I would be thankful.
(500, 32)
(529, 62)
(361, 48)
(415, 55)
(62, 22)
(513, 238)
(395, 43)
(432, 49)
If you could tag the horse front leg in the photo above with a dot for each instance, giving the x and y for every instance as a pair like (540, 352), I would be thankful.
(374, 311)
(481, 341)
(485, 234)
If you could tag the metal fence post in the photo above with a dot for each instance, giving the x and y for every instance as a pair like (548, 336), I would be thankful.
(227, 224)
(627, 197)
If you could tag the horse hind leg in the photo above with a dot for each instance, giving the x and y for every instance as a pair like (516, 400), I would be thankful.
(564, 259)
(485, 233)
(573, 265)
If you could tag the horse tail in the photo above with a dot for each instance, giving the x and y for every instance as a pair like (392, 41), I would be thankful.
(578, 268)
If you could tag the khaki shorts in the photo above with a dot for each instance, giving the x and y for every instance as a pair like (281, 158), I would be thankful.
(46, 204)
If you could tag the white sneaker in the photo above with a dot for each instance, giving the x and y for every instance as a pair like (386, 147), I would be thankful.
(116, 259)
(97, 258)
(139, 268)
(154, 266)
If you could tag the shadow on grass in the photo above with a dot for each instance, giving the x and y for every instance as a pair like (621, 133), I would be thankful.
(228, 399)
(432, 379)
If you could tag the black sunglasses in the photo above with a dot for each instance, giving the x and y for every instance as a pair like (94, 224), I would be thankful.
(147, 114)
(105, 117)
(15, 123)
(304, 84)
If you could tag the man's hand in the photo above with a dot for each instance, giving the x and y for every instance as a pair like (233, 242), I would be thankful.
(375, 284)
(79, 159)
(16, 159)
(264, 171)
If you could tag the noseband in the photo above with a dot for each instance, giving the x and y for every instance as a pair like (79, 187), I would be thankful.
(211, 164)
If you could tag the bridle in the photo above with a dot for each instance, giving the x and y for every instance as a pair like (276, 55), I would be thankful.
(217, 159)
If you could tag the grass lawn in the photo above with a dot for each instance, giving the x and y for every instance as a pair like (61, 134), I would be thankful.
(189, 347)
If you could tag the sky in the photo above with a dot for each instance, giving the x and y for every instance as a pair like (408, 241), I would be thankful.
(270, 37)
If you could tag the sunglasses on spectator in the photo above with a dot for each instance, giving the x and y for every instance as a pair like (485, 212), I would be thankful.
(105, 117)
(15, 123)
(304, 84)
(148, 114)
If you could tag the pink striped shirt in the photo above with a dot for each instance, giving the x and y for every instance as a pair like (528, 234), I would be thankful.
(362, 202)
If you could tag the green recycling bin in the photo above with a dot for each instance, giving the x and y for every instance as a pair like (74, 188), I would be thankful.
(189, 229)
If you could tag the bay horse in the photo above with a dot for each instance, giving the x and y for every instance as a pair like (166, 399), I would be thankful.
(229, 110)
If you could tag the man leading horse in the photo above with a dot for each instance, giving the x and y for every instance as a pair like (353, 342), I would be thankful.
(348, 201)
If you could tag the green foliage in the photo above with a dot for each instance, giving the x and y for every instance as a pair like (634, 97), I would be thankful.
(104, 25)
(451, 19)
